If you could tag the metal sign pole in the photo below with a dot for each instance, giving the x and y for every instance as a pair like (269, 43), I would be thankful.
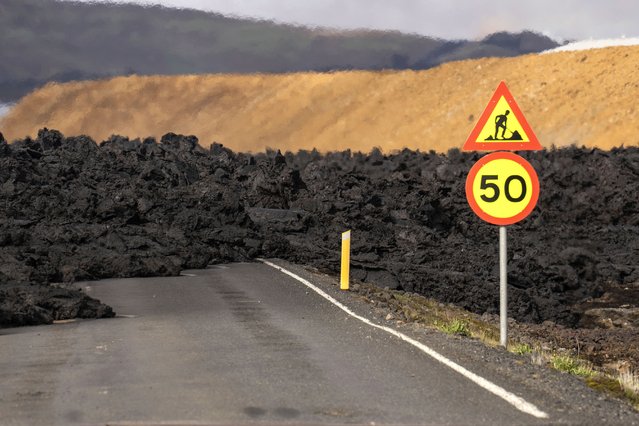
(503, 288)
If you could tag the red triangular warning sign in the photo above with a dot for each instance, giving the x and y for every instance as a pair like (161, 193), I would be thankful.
(502, 126)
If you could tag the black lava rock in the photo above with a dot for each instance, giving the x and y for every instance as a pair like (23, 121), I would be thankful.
(73, 210)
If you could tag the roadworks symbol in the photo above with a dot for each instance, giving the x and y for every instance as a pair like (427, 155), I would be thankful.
(502, 126)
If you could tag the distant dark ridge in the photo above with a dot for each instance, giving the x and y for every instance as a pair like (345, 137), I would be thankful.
(65, 41)
(524, 42)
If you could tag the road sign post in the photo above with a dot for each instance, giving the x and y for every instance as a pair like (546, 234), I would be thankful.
(503, 287)
(502, 188)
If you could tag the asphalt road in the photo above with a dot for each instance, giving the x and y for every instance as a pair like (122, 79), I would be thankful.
(235, 344)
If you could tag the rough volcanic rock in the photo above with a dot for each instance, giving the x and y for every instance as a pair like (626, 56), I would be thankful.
(75, 210)
(32, 305)
(413, 230)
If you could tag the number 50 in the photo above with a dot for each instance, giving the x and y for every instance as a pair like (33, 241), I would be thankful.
(486, 184)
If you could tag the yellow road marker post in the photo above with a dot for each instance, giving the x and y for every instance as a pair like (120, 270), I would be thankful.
(346, 260)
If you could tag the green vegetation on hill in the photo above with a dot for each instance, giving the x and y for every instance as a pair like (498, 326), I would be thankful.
(48, 40)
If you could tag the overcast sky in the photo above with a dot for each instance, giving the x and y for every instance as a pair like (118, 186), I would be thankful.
(561, 19)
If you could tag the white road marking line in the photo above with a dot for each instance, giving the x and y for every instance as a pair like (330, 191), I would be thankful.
(516, 401)
(182, 274)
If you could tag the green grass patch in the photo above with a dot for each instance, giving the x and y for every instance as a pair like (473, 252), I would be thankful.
(520, 349)
(571, 365)
(455, 326)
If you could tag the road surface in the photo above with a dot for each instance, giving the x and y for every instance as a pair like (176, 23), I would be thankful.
(237, 344)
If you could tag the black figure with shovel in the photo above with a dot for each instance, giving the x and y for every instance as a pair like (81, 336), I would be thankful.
(501, 123)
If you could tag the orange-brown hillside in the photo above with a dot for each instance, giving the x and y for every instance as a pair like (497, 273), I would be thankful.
(587, 97)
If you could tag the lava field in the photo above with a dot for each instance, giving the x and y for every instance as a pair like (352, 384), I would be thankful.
(76, 210)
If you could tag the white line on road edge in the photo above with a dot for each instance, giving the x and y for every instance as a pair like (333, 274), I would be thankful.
(511, 398)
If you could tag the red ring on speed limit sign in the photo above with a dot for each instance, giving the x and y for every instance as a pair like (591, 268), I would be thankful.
(502, 188)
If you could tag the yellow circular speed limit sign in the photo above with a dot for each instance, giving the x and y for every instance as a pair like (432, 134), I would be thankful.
(502, 188)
